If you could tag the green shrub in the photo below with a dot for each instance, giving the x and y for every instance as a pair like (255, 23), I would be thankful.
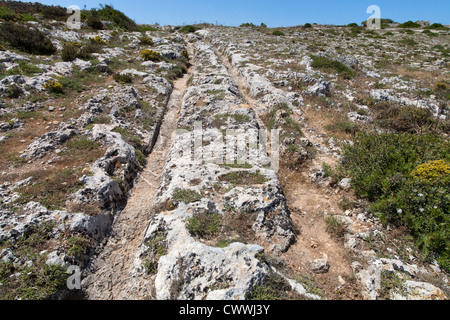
(145, 28)
(123, 78)
(26, 39)
(185, 195)
(429, 33)
(77, 247)
(95, 23)
(409, 24)
(52, 192)
(278, 33)
(150, 55)
(54, 86)
(69, 52)
(98, 40)
(378, 164)
(120, 20)
(406, 177)
(237, 178)
(28, 69)
(55, 13)
(336, 227)
(309, 25)
(156, 247)
(189, 29)
(410, 119)
(82, 144)
(423, 206)
(141, 158)
(14, 91)
(437, 26)
(408, 42)
(343, 126)
(7, 14)
(327, 64)
(204, 225)
(27, 17)
(247, 24)
(38, 281)
(274, 287)
(146, 41)
(86, 51)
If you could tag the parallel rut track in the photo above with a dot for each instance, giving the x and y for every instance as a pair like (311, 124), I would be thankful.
(110, 273)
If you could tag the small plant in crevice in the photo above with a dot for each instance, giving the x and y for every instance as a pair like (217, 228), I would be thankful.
(156, 247)
(185, 195)
(204, 225)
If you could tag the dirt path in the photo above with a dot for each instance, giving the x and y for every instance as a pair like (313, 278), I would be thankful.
(307, 203)
(111, 277)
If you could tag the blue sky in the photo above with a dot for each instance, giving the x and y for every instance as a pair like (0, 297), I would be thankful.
(275, 13)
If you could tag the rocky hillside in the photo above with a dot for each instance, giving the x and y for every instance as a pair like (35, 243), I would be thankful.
(215, 162)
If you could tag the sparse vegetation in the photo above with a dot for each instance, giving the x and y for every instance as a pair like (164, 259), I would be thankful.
(185, 195)
(26, 39)
(393, 171)
(336, 227)
(204, 225)
(327, 64)
(238, 178)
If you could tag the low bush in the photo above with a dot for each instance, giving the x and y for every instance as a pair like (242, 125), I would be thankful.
(69, 52)
(238, 178)
(273, 287)
(185, 195)
(278, 33)
(437, 26)
(146, 41)
(343, 126)
(150, 55)
(123, 78)
(328, 64)
(408, 118)
(409, 24)
(54, 86)
(7, 14)
(36, 281)
(406, 177)
(95, 23)
(26, 39)
(55, 13)
(27, 17)
(336, 227)
(98, 40)
(378, 164)
(120, 20)
(408, 42)
(14, 91)
(188, 29)
(52, 192)
(204, 225)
